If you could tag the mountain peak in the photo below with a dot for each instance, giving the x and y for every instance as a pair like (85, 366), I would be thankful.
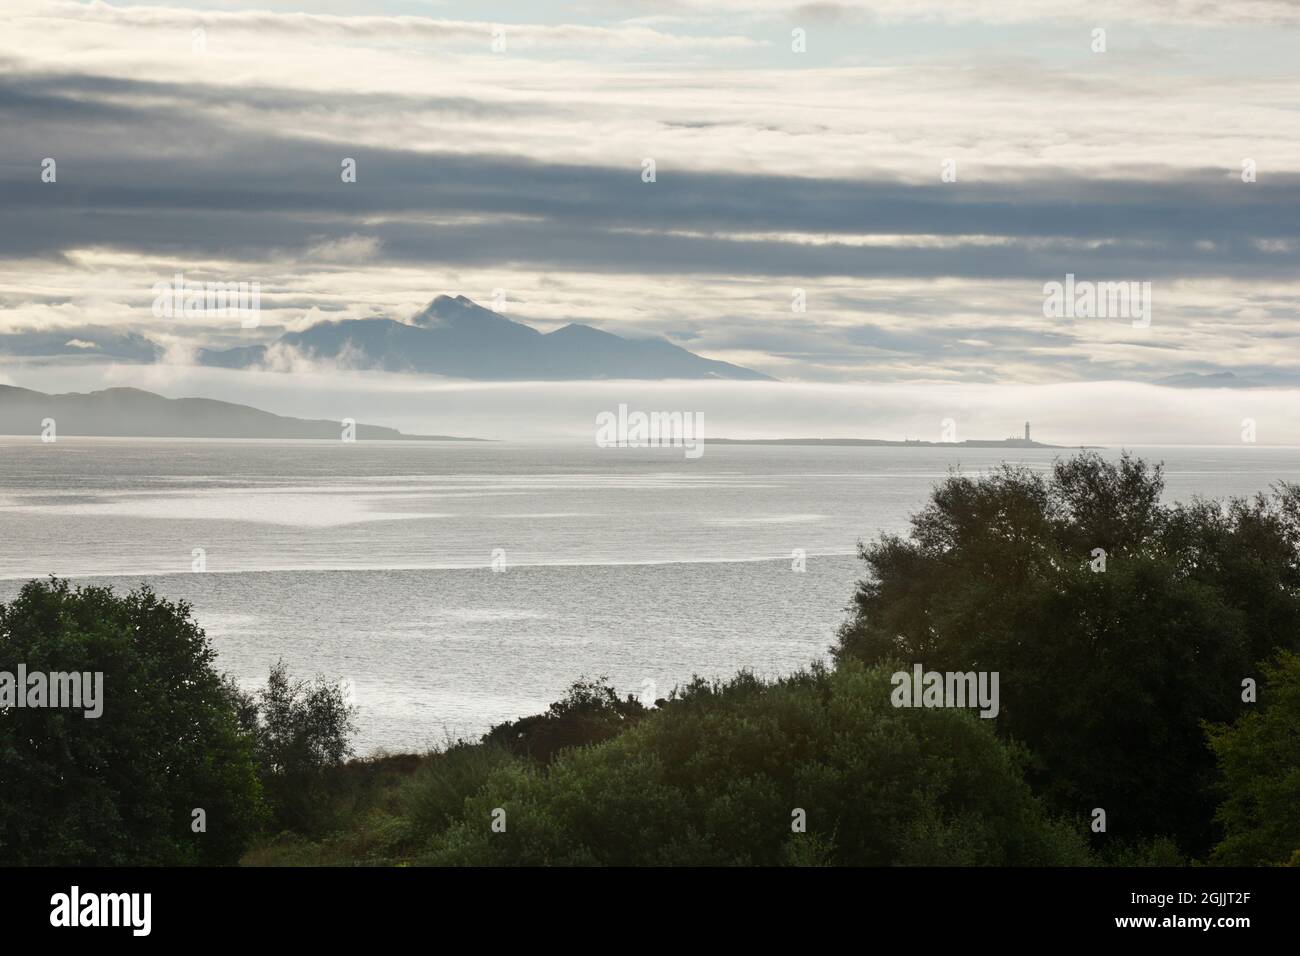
(442, 302)
(577, 328)
(453, 311)
(456, 337)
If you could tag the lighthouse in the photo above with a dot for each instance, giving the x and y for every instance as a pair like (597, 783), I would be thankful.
(1026, 431)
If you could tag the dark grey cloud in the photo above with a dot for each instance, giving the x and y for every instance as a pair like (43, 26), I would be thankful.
(86, 342)
(137, 175)
(43, 94)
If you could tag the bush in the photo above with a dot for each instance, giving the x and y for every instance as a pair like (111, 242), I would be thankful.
(301, 732)
(120, 789)
(1259, 756)
(589, 712)
(716, 776)
(434, 797)
(1160, 851)
(1105, 676)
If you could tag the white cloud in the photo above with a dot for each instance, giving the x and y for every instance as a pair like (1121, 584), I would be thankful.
(705, 87)
(311, 27)
(349, 249)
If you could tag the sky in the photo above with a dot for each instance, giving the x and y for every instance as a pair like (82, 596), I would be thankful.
(797, 148)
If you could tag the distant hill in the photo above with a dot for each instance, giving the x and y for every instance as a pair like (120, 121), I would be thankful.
(1208, 380)
(457, 337)
(888, 443)
(132, 413)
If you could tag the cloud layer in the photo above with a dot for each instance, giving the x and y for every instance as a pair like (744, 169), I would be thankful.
(510, 156)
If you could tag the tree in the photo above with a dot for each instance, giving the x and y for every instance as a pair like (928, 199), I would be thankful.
(301, 730)
(122, 788)
(1259, 757)
(1116, 623)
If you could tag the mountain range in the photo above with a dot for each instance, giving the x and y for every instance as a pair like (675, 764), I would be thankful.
(456, 337)
(132, 413)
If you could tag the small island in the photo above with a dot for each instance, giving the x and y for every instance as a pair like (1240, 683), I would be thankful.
(1025, 442)
(886, 443)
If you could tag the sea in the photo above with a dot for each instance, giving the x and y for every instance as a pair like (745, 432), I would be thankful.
(451, 586)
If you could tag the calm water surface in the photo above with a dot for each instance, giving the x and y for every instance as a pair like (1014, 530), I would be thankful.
(373, 562)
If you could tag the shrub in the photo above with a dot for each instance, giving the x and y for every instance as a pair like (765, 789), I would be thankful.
(434, 797)
(588, 713)
(717, 775)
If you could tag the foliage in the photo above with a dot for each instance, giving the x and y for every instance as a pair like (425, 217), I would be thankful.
(120, 789)
(717, 775)
(435, 795)
(301, 732)
(1260, 759)
(1105, 675)
(589, 712)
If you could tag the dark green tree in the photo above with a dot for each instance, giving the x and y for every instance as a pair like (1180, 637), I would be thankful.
(1259, 756)
(1117, 624)
(121, 789)
(302, 731)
